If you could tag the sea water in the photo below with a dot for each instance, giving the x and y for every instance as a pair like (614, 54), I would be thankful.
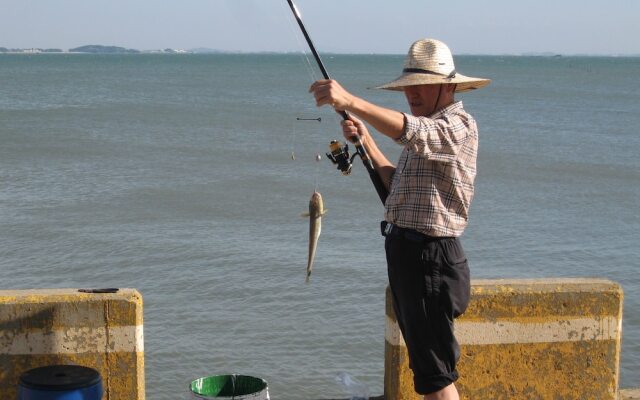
(173, 174)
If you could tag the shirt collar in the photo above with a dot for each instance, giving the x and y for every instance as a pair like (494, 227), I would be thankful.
(455, 106)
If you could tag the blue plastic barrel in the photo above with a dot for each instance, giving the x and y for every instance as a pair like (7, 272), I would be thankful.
(60, 382)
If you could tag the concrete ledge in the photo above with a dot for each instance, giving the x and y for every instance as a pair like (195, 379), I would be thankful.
(629, 394)
(103, 331)
(544, 339)
(625, 394)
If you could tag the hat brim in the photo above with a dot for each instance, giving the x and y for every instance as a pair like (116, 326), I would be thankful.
(463, 83)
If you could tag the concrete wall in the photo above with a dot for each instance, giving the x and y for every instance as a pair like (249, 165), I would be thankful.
(527, 339)
(64, 326)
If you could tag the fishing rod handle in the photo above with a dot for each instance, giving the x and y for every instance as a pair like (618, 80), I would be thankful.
(362, 152)
(364, 156)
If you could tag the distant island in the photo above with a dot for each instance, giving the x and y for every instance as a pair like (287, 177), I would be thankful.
(6, 50)
(94, 49)
(98, 49)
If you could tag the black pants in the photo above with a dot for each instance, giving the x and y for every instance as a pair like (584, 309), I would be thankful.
(429, 281)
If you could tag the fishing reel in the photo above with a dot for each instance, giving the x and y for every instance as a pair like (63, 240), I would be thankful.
(339, 155)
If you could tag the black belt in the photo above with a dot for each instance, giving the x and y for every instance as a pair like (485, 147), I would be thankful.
(388, 229)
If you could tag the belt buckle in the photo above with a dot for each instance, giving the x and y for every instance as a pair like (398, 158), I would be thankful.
(388, 229)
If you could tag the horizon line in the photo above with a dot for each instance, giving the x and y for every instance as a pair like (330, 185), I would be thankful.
(205, 50)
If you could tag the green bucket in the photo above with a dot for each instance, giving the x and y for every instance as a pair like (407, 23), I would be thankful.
(231, 387)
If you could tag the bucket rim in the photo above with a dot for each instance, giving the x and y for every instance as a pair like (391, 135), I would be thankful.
(263, 390)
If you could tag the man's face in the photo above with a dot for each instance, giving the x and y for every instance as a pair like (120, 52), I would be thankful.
(422, 99)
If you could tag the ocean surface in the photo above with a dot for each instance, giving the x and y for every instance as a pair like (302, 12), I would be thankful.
(173, 174)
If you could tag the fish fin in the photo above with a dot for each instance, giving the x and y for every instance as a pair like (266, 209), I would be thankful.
(324, 211)
(304, 215)
(308, 276)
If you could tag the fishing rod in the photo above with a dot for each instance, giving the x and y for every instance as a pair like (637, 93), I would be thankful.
(339, 154)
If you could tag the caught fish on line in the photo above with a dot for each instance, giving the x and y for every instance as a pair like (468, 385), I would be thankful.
(316, 211)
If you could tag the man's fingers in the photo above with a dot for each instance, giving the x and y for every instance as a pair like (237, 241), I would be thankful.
(318, 84)
(322, 100)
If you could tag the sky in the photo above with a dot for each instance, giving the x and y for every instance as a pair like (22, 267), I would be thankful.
(601, 27)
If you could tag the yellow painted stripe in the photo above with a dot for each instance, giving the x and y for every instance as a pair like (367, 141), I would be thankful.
(504, 332)
(117, 339)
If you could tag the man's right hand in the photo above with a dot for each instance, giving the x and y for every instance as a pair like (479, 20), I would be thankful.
(353, 127)
(330, 92)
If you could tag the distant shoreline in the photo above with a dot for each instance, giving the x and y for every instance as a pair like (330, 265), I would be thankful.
(116, 50)
(91, 49)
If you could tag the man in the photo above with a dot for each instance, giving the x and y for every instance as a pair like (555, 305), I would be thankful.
(430, 191)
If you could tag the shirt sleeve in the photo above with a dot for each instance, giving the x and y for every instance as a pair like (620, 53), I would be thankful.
(437, 139)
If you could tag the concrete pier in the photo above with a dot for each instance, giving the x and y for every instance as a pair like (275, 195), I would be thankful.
(521, 339)
(102, 331)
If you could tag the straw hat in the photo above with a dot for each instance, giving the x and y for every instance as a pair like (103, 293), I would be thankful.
(429, 62)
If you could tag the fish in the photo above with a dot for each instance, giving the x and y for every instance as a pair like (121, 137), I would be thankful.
(316, 211)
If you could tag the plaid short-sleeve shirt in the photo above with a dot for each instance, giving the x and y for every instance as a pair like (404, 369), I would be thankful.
(432, 186)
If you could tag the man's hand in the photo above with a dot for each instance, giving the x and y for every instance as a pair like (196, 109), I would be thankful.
(354, 127)
(386, 121)
(330, 92)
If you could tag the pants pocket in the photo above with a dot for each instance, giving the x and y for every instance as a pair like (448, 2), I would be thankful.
(432, 276)
(455, 277)
(460, 288)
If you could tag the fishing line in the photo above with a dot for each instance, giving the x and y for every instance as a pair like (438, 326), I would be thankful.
(360, 149)
(318, 159)
(293, 138)
(306, 61)
(301, 48)
(294, 132)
